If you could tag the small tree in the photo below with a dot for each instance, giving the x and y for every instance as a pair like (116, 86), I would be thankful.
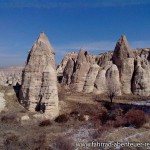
(112, 88)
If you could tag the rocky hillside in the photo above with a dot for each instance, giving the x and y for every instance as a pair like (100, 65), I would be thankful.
(11, 75)
(128, 69)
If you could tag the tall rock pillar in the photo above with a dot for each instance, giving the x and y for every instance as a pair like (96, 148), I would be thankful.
(124, 59)
(39, 79)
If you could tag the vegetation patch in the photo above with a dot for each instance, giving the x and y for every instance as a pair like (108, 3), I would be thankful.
(62, 118)
(44, 123)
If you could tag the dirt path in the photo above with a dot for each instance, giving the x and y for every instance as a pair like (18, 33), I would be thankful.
(81, 98)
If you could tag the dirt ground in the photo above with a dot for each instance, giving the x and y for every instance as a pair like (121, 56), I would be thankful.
(65, 135)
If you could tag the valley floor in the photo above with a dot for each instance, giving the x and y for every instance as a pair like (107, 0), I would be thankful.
(79, 125)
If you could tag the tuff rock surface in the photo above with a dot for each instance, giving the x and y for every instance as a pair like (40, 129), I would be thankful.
(60, 68)
(124, 59)
(129, 69)
(81, 69)
(90, 79)
(84, 72)
(11, 75)
(39, 79)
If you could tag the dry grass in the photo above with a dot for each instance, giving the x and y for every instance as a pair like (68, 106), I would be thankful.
(16, 142)
(38, 135)
(9, 117)
(62, 143)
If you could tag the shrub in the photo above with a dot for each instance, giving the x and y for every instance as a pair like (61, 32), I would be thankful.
(103, 115)
(109, 124)
(75, 114)
(118, 112)
(46, 122)
(136, 118)
(120, 122)
(62, 118)
(10, 118)
(107, 105)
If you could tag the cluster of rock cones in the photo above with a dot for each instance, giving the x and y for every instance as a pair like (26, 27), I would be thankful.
(129, 70)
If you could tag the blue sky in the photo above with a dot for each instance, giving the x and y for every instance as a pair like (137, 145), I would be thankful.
(94, 25)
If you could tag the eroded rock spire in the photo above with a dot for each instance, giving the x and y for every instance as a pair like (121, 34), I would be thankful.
(39, 79)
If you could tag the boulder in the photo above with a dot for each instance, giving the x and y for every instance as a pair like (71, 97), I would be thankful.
(25, 118)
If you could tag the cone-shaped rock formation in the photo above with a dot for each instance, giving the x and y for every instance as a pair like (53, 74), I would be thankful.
(123, 58)
(39, 81)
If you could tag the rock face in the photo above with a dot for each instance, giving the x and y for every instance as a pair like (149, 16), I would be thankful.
(122, 51)
(100, 82)
(60, 68)
(82, 67)
(39, 79)
(2, 102)
(141, 78)
(104, 59)
(11, 75)
(105, 77)
(90, 79)
(128, 69)
(112, 78)
(123, 58)
(126, 74)
(68, 71)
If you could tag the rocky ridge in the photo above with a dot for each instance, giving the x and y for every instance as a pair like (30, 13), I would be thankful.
(85, 72)
(11, 75)
(129, 69)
